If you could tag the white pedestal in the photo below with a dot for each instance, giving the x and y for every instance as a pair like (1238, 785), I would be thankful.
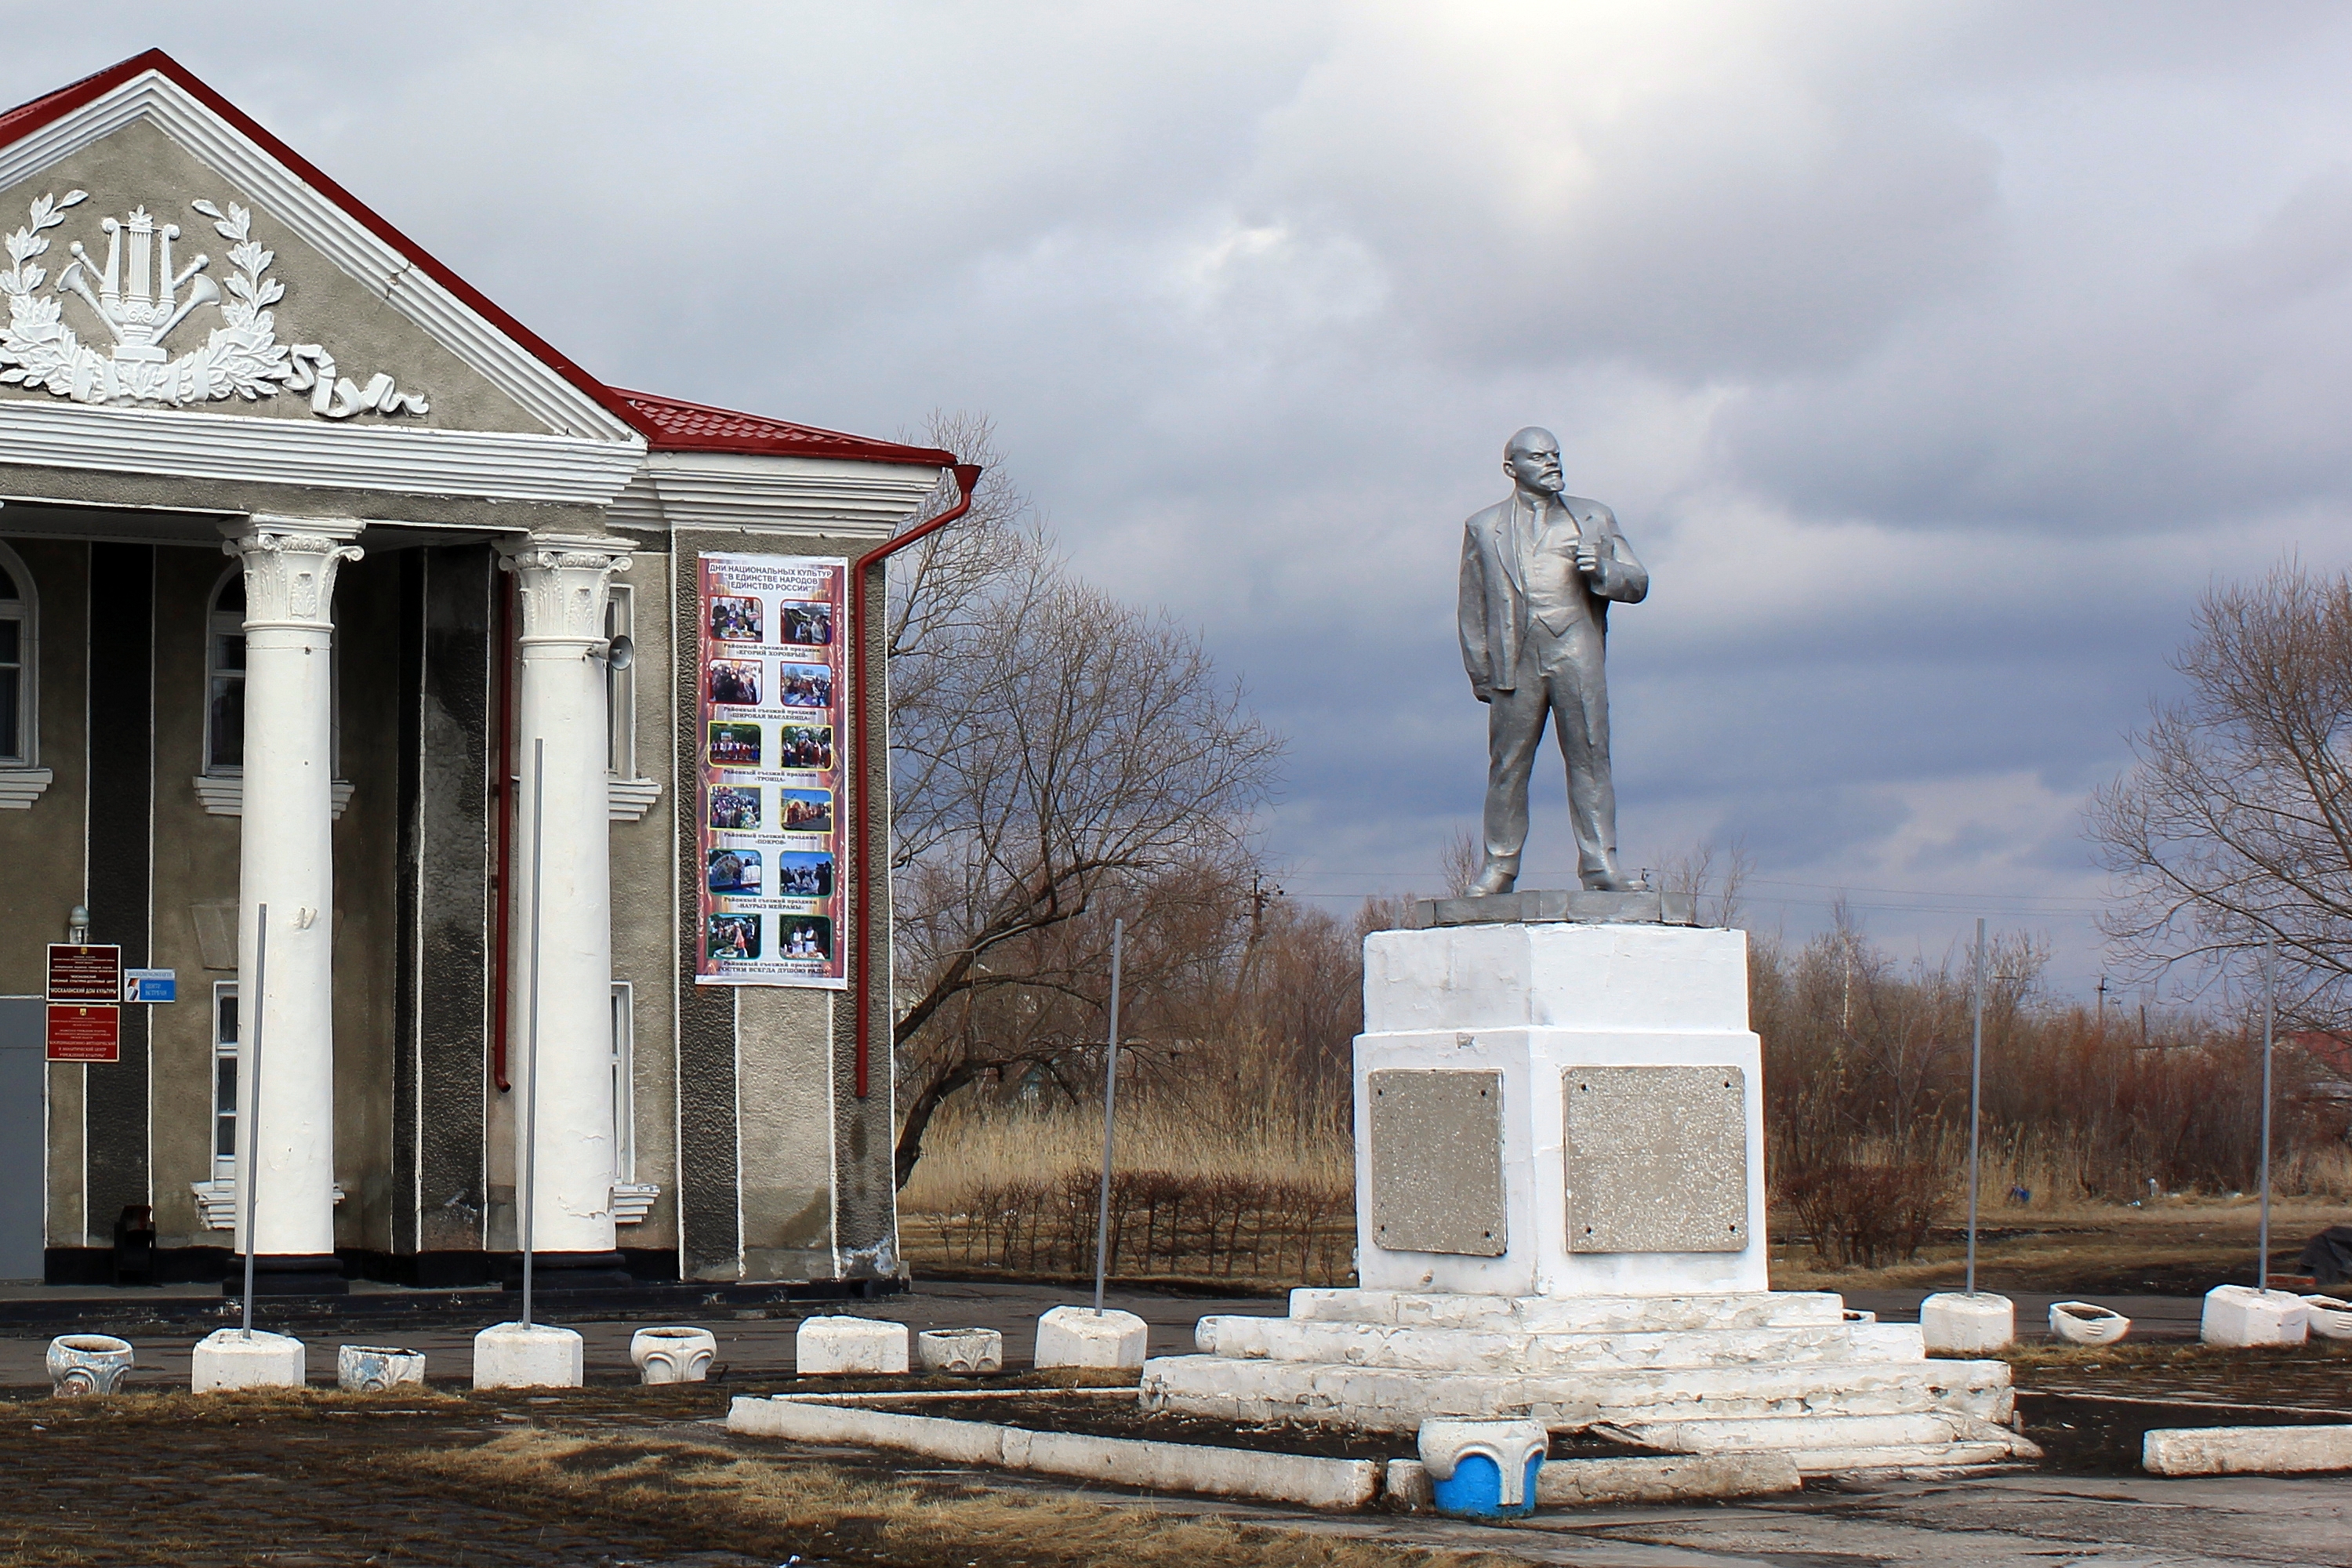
(827, 1347)
(508, 1355)
(2242, 1315)
(227, 1358)
(1953, 1323)
(1082, 1337)
(1559, 1110)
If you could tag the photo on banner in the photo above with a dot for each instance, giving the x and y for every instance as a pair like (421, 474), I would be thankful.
(769, 684)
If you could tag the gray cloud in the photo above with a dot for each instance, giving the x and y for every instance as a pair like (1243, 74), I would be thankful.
(1935, 357)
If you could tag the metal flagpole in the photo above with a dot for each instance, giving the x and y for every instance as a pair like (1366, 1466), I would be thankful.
(530, 1058)
(1976, 1094)
(1110, 1101)
(253, 1101)
(2270, 1015)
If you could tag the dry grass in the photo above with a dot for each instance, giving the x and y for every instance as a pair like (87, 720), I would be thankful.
(971, 1147)
(2049, 1356)
(2093, 1248)
(781, 1507)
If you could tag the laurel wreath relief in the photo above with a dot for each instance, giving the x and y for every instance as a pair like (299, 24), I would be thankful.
(242, 357)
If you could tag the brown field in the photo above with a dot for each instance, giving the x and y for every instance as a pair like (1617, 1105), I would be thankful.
(2178, 1245)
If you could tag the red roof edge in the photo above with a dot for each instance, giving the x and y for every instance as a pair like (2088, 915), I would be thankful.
(673, 425)
(26, 118)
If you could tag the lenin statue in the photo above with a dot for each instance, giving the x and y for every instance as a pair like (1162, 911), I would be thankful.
(1538, 571)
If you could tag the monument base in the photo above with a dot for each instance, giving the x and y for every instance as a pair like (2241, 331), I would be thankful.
(1756, 1372)
(1559, 1218)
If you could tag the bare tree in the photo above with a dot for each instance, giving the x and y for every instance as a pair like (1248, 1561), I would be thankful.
(2234, 829)
(1459, 860)
(1057, 756)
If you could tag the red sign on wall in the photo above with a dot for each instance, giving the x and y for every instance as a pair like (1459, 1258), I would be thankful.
(85, 974)
(85, 1032)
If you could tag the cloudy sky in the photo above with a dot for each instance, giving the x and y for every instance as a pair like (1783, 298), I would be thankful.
(1934, 356)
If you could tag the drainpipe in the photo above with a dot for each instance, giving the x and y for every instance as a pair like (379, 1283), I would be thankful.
(967, 476)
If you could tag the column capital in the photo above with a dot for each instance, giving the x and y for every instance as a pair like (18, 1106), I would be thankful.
(562, 578)
(289, 566)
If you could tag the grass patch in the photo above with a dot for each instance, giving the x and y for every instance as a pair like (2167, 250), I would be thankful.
(2158, 1356)
(780, 1507)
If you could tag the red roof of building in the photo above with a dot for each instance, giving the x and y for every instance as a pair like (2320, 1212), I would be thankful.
(673, 425)
(667, 424)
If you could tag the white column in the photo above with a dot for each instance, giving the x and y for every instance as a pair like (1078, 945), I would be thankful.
(560, 699)
(285, 860)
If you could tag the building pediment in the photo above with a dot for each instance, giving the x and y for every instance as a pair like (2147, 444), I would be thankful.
(176, 281)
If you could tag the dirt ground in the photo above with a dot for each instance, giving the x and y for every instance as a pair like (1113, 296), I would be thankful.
(2178, 1247)
(613, 1476)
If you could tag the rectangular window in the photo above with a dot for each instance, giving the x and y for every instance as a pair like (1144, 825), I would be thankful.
(625, 1117)
(620, 690)
(225, 1101)
(224, 702)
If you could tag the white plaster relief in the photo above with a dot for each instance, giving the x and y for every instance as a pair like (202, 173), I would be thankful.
(290, 578)
(562, 589)
(138, 300)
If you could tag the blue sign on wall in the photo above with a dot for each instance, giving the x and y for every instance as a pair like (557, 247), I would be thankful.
(150, 986)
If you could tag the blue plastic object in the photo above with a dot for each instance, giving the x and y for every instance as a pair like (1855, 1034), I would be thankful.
(1475, 1490)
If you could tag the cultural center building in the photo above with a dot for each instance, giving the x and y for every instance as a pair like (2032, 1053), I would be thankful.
(457, 731)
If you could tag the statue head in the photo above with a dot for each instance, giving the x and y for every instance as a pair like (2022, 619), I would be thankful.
(1531, 457)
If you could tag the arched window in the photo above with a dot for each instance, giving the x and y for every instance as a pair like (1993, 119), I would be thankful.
(225, 679)
(19, 698)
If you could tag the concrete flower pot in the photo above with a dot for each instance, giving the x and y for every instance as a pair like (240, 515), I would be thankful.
(87, 1363)
(2085, 1324)
(2331, 1317)
(372, 1369)
(673, 1354)
(1484, 1469)
(968, 1351)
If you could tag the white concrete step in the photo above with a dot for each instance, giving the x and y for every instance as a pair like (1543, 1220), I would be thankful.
(1751, 1434)
(1426, 1348)
(1572, 1314)
(1398, 1400)
(1813, 1462)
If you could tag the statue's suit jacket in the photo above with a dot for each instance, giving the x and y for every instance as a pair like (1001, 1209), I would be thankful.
(1495, 589)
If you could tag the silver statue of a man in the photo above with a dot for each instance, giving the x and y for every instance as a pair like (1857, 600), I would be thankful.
(1538, 571)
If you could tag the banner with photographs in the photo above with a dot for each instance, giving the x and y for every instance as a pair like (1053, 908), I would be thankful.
(770, 726)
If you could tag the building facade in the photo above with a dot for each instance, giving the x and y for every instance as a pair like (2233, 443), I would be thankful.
(320, 580)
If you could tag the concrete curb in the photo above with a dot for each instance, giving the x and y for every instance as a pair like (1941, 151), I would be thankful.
(2245, 1450)
(1121, 1461)
(1585, 1483)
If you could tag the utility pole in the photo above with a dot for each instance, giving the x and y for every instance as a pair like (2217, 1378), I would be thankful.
(1976, 1092)
(2270, 1017)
